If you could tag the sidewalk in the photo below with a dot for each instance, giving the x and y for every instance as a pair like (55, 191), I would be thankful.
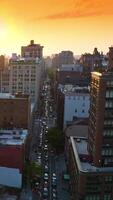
(26, 194)
(62, 186)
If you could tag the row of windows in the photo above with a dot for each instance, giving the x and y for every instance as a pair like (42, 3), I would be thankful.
(109, 178)
(109, 93)
(108, 160)
(107, 152)
(25, 67)
(109, 83)
(97, 197)
(108, 133)
(108, 122)
(109, 104)
(26, 79)
(83, 111)
(78, 97)
(92, 197)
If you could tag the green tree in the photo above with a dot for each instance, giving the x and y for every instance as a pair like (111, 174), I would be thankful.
(51, 73)
(32, 169)
(56, 139)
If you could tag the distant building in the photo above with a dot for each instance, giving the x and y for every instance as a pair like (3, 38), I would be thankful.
(15, 111)
(71, 74)
(25, 76)
(32, 50)
(2, 62)
(76, 105)
(64, 57)
(4, 80)
(12, 157)
(93, 61)
(110, 57)
(72, 104)
(48, 62)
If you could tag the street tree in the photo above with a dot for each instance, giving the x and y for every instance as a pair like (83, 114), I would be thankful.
(56, 139)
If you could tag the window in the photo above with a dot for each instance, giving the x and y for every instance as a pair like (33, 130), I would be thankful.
(107, 152)
(83, 111)
(92, 197)
(110, 83)
(107, 197)
(75, 110)
(109, 93)
(108, 133)
(108, 178)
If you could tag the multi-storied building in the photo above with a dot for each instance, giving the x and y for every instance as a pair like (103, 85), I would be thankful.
(13, 144)
(110, 57)
(4, 80)
(15, 111)
(25, 77)
(32, 50)
(76, 105)
(90, 61)
(72, 104)
(100, 143)
(91, 169)
(64, 57)
(71, 74)
(24, 74)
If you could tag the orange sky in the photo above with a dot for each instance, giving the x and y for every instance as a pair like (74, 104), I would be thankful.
(77, 25)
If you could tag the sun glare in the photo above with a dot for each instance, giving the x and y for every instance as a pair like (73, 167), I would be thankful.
(3, 31)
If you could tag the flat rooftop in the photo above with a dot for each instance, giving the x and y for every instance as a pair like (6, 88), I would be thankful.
(13, 137)
(83, 158)
(77, 130)
(6, 96)
(10, 96)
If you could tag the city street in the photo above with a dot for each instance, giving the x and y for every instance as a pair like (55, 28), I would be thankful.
(51, 186)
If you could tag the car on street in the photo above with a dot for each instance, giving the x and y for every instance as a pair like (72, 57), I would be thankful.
(46, 177)
(54, 183)
(45, 192)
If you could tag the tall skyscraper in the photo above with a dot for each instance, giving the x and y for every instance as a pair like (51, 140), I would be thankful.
(91, 168)
(100, 138)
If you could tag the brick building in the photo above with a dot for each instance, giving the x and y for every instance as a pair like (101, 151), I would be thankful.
(15, 111)
(91, 169)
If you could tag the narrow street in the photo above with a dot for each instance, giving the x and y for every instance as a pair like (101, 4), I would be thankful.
(50, 186)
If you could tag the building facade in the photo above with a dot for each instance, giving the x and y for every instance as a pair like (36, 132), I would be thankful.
(15, 111)
(25, 77)
(76, 105)
(110, 57)
(101, 119)
(88, 182)
(32, 50)
(4, 80)
(91, 169)
(12, 156)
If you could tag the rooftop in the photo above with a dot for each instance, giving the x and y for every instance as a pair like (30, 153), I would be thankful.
(13, 137)
(73, 90)
(83, 159)
(6, 96)
(77, 130)
(10, 96)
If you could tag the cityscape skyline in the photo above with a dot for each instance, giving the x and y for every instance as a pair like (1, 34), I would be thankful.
(78, 26)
